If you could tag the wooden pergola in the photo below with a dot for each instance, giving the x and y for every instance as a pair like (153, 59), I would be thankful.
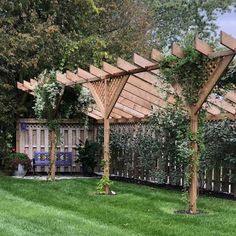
(129, 92)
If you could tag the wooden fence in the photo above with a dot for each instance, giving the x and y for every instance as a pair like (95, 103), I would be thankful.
(221, 178)
(32, 136)
(217, 179)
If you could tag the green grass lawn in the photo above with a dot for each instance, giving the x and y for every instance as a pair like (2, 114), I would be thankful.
(70, 207)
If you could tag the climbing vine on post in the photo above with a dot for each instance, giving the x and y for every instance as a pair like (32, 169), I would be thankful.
(53, 102)
(194, 74)
(48, 95)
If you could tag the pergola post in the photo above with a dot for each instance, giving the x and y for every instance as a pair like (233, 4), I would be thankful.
(106, 92)
(193, 166)
(106, 147)
(214, 70)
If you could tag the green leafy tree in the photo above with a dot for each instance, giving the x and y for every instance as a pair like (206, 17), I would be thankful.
(172, 20)
(53, 103)
(39, 35)
(8, 108)
(126, 26)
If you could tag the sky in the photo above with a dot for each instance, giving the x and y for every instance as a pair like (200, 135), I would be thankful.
(227, 23)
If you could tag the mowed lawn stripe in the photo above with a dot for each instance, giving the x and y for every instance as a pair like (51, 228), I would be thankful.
(136, 210)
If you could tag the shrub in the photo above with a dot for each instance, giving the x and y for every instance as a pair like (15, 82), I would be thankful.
(14, 159)
(88, 155)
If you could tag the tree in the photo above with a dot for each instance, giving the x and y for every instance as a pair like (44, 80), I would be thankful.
(125, 25)
(36, 35)
(39, 35)
(8, 109)
(53, 103)
(173, 19)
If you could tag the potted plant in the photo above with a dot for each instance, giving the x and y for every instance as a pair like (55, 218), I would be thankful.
(17, 164)
(88, 154)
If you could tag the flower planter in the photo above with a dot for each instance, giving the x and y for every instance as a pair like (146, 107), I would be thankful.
(20, 171)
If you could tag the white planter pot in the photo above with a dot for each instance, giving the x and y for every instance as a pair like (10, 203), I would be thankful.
(20, 171)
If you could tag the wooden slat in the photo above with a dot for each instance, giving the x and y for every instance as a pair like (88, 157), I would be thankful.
(143, 62)
(213, 110)
(146, 96)
(128, 110)
(74, 77)
(156, 55)
(203, 47)
(153, 79)
(34, 83)
(28, 85)
(222, 116)
(133, 98)
(97, 112)
(225, 179)
(110, 68)
(145, 76)
(124, 120)
(91, 114)
(134, 106)
(220, 102)
(221, 54)
(228, 41)
(22, 87)
(149, 78)
(231, 95)
(86, 75)
(233, 185)
(143, 92)
(122, 113)
(177, 51)
(149, 88)
(63, 80)
(97, 72)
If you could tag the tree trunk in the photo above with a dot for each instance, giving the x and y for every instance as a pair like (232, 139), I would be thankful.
(52, 167)
(106, 152)
(193, 167)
